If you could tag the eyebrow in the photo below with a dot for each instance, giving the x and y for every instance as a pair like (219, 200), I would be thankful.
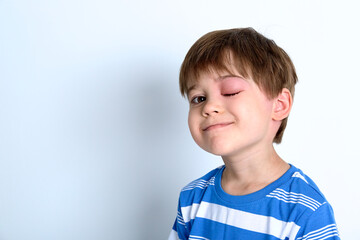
(230, 75)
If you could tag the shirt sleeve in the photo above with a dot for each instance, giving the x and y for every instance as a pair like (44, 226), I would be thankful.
(320, 225)
(179, 230)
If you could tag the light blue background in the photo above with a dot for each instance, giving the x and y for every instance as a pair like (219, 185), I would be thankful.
(93, 134)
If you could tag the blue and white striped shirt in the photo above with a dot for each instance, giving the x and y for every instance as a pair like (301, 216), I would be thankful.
(291, 208)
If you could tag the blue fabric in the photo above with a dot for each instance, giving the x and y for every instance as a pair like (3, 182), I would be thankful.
(291, 208)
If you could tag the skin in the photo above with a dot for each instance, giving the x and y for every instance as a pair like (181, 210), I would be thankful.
(231, 117)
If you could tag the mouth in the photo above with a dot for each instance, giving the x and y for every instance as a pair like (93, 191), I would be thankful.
(216, 126)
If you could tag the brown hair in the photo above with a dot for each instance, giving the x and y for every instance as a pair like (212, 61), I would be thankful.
(254, 55)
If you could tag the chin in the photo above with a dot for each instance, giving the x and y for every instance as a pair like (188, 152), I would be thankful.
(217, 150)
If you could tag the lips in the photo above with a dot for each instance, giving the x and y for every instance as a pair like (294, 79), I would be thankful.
(217, 126)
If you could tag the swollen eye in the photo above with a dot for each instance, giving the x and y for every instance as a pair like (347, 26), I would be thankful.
(230, 94)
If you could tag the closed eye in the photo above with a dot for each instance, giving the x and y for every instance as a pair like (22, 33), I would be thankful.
(230, 94)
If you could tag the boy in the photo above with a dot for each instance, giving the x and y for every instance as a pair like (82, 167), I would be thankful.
(240, 86)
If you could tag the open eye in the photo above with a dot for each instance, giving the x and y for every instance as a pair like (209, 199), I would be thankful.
(198, 99)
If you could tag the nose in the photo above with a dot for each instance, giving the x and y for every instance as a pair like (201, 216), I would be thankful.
(210, 108)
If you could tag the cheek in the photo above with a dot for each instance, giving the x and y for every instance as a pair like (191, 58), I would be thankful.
(262, 113)
(192, 121)
(268, 106)
(194, 127)
(255, 110)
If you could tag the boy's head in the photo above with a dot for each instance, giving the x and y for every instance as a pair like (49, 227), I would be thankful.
(253, 55)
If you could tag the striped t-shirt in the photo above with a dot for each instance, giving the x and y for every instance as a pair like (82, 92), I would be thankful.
(291, 208)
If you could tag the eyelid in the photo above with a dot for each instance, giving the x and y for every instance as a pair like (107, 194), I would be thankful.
(231, 94)
(192, 95)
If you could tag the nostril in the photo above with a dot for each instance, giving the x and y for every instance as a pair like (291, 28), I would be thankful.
(210, 108)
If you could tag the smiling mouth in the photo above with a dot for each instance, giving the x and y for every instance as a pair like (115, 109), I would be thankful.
(216, 126)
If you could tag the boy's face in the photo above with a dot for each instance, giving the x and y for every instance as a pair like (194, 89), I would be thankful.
(229, 115)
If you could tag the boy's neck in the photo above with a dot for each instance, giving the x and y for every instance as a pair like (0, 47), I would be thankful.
(252, 172)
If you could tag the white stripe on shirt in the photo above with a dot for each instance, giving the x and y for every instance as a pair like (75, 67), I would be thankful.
(322, 233)
(199, 184)
(291, 197)
(298, 175)
(242, 220)
(189, 212)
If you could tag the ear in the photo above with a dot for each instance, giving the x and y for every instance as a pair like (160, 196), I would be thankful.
(282, 105)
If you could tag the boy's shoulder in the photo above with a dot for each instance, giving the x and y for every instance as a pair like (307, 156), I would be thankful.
(204, 181)
(305, 183)
(302, 188)
(194, 191)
